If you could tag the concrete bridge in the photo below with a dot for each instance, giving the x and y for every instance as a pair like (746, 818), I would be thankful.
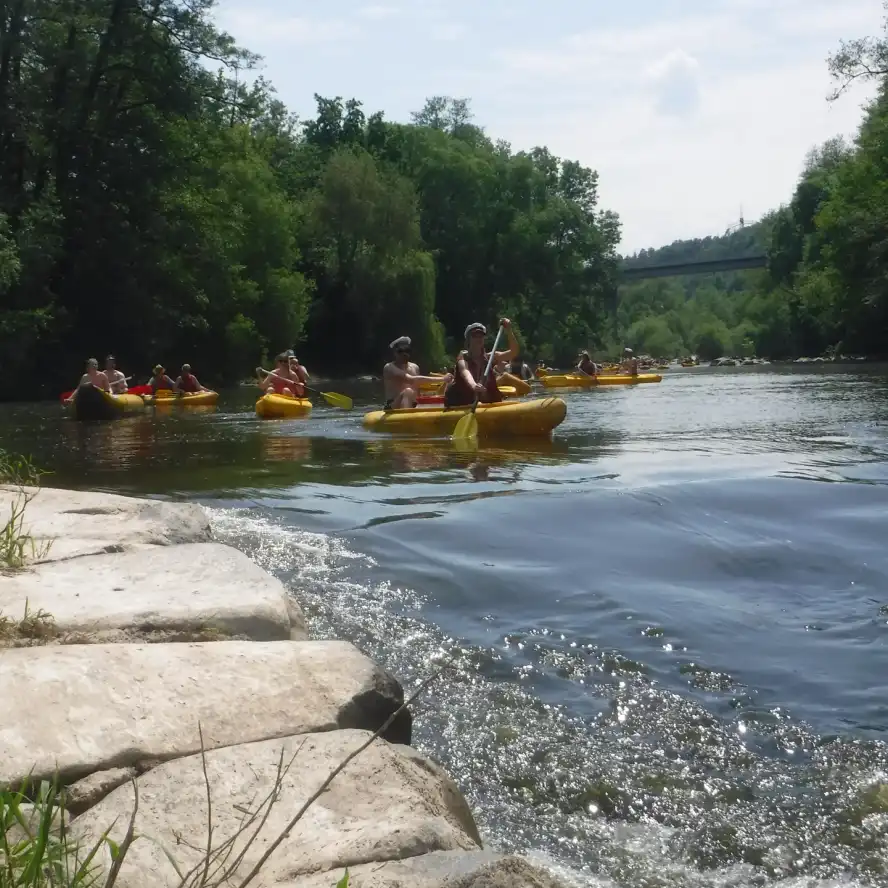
(683, 268)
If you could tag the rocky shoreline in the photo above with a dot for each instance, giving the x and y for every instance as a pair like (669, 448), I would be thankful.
(165, 664)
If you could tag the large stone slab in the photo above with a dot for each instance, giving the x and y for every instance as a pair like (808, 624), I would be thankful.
(77, 522)
(439, 869)
(170, 589)
(389, 803)
(87, 708)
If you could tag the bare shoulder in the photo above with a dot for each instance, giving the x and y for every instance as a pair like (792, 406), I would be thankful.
(413, 369)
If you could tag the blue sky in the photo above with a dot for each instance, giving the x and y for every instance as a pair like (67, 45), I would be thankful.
(688, 109)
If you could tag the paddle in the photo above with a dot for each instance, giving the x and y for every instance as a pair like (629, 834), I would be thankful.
(135, 390)
(334, 399)
(467, 427)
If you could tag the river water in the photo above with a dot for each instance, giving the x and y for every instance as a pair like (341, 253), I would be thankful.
(668, 627)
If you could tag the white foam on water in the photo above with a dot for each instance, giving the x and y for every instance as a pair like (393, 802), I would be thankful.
(537, 777)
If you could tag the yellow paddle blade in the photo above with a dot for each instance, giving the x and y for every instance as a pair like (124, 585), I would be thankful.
(467, 427)
(336, 400)
(465, 445)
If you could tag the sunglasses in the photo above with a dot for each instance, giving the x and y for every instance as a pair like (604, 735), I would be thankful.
(402, 351)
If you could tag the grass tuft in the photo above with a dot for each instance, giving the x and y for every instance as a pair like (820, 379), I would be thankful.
(36, 849)
(17, 546)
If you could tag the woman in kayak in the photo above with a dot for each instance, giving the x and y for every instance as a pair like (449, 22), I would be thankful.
(586, 365)
(160, 381)
(282, 380)
(401, 378)
(519, 368)
(188, 383)
(468, 382)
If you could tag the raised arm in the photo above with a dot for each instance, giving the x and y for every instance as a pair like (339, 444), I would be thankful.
(514, 349)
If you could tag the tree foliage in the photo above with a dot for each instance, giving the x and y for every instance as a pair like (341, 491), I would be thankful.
(158, 201)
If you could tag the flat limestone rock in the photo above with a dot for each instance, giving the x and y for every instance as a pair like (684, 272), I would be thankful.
(181, 589)
(388, 803)
(439, 869)
(87, 708)
(75, 522)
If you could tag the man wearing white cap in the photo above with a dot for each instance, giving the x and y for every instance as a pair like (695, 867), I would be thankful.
(401, 376)
(629, 364)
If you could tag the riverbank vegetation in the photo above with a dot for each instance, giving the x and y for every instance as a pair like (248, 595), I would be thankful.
(825, 290)
(17, 547)
(158, 201)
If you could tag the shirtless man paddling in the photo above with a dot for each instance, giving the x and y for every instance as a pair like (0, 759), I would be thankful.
(94, 376)
(401, 376)
(116, 379)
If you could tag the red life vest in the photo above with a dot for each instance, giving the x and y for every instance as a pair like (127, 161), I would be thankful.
(188, 383)
(459, 394)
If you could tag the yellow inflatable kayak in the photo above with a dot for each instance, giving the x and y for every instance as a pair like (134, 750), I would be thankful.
(507, 380)
(89, 402)
(575, 381)
(166, 398)
(282, 407)
(505, 419)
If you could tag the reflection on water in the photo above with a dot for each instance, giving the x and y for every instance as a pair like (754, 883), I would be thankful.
(670, 622)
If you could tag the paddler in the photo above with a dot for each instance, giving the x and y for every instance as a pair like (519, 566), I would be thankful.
(468, 382)
(586, 365)
(519, 368)
(116, 380)
(282, 380)
(160, 381)
(401, 377)
(629, 363)
(297, 370)
(187, 382)
(94, 376)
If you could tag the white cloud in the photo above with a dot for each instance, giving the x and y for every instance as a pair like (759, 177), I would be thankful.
(686, 116)
(263, 27)
(676, 83)
(377, 13)
(688, 119)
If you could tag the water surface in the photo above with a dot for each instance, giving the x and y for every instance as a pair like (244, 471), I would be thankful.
(668, 625)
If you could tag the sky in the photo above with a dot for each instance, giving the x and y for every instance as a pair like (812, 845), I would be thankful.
(691, 111)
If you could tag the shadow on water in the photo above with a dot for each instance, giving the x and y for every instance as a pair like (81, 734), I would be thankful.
(669, 623)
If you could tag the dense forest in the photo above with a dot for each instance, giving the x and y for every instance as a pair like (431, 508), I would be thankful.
(158, 201)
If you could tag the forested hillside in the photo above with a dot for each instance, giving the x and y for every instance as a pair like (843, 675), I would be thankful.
(153, 205)
(726, 313)
(825, 290)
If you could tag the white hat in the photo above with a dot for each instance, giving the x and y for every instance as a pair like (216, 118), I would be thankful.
(401, 342)
(473, 327)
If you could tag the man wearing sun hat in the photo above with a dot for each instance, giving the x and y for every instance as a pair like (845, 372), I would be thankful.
(401, 376)
(160, 381)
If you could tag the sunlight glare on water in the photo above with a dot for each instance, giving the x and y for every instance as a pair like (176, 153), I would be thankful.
(668, 627)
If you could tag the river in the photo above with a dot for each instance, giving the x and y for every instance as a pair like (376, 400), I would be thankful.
(668, 626)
